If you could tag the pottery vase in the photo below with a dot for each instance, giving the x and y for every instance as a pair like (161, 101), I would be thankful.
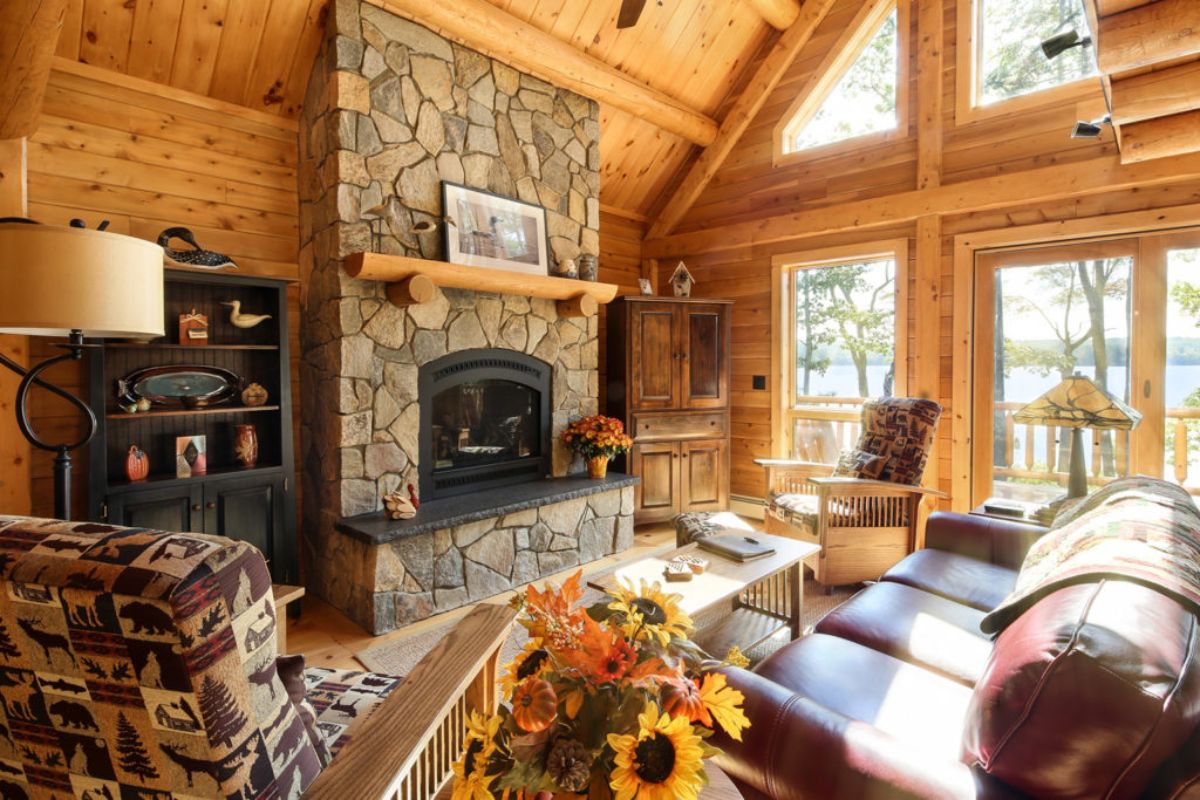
(245, 445)
(597, 467)
(137, 464)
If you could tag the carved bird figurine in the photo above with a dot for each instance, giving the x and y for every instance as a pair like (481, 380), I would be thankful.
(241, 320)
(197, 256)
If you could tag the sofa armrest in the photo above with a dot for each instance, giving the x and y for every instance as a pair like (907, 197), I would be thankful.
(997, 541)
(797, 748)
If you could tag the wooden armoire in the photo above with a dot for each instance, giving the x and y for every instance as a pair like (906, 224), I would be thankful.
(669, 381)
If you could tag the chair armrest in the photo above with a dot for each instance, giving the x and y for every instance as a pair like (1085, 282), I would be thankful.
(788, 462)
(995, 541)
(834, 483)
(796, 748)
(414, 730)
(788, 476)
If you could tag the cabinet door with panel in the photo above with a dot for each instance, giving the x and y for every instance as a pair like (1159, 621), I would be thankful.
(169, 508)
(249, 510)
(654, 355)
(656, 498)
(704, 353)
(704, 475)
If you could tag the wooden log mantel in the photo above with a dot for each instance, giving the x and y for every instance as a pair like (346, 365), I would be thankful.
(410, 280)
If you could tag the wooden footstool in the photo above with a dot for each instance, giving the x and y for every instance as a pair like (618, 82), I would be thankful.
(284, 596)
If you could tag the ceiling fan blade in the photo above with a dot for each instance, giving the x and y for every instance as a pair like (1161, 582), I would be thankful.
(630, 11)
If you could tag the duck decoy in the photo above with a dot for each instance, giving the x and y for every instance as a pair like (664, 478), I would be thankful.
(241, 320)
(197, 256)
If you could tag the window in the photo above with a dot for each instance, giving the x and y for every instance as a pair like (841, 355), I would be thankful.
(1008, 58)
(856, 91)
(840, 318)
(1125, 313)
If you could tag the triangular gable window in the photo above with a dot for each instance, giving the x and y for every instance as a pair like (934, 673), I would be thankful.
(861, 102)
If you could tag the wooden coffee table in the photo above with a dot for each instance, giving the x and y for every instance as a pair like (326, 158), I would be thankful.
(734, 603)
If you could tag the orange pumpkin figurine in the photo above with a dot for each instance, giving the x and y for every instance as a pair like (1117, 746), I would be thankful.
(534, 705)
(681, 698)
(137, 464)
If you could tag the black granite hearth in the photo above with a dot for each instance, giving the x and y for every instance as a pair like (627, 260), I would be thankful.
(449, 512)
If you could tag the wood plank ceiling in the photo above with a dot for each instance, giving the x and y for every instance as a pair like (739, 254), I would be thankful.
(257, 53)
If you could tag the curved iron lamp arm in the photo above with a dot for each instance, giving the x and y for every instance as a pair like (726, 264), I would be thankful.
(62, 461)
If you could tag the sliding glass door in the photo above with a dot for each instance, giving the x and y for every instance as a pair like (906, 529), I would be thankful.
(1124, 313)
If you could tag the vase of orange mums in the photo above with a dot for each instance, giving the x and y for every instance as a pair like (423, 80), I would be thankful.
(598, 439)
(612, 702)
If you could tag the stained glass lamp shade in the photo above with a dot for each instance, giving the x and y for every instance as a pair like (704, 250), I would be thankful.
(1078, 403)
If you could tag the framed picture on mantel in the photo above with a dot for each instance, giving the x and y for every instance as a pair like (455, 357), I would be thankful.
(487, 230)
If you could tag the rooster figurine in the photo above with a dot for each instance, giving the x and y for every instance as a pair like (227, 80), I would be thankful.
(241, 320)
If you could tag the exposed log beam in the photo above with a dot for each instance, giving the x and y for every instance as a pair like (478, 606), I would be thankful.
(482, 26)
(1161, 31)
(930, 44)
(1156, 94)
(28, 35)
(1033, 186)
(743, 112)
(779, 14)
(1160, 138)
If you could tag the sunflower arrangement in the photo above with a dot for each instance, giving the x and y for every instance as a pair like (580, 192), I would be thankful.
(612, 701)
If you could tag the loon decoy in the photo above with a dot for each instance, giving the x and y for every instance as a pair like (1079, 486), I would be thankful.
(241, 320)
(197, 256)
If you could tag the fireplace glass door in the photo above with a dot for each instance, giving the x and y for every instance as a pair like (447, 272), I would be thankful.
(484, 422)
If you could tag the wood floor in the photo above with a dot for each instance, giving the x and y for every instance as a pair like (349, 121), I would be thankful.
(327, 638)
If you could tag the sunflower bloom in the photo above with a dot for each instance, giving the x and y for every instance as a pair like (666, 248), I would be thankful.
(663, 761)
(532, 662)
(724, 704)
(471, 781)
(650, 613)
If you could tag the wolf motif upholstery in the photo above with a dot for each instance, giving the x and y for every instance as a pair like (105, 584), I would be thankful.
(137, 663)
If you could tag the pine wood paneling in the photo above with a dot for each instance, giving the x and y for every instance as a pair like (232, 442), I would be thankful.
(145, 159)
(620, 263)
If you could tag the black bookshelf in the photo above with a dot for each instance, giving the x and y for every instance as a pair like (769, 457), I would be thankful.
(255, 504)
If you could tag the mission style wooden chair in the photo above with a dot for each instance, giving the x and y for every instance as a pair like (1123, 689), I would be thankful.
(863, 510)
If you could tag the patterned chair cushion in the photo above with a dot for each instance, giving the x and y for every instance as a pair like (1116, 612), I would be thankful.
(344, 699)
(137, 663)
(800, 510)
(859, 464)
(901, 430)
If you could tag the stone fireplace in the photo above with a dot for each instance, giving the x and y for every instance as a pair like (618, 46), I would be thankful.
(462, 397)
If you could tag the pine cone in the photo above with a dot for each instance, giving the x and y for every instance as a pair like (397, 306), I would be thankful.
(570, 765)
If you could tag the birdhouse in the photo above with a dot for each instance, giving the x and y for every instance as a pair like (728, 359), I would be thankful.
(682, 281)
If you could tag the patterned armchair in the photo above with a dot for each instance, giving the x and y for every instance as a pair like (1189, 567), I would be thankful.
(863, 511)
(138, 663)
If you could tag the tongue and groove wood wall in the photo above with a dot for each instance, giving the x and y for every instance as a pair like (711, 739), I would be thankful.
(998, 169)
(147, 157)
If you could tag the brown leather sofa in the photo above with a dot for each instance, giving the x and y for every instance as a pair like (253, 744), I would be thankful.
(1093, 692)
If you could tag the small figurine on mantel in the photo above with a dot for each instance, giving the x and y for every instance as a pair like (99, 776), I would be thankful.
(682, 281)
(398, 506)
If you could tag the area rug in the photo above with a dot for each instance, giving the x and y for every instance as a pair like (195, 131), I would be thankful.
(399, 656)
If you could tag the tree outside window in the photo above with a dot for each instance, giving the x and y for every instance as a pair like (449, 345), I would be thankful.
(1010, 62)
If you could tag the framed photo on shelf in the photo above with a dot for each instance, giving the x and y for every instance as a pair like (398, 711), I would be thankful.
(487, 230)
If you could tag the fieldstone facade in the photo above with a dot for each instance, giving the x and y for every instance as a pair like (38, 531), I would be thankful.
(392, 110)
(384, 586)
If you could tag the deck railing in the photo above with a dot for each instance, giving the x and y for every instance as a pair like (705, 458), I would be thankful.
(822, 427)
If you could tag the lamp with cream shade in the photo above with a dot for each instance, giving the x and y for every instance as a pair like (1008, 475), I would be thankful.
(1078, 403)
(80, 284)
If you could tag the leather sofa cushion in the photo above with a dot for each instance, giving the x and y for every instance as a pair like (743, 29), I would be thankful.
(907, 702)
(1087, 693)
(914, 626)
(977, 584)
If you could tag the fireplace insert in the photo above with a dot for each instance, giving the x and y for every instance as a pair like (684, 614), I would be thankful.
(485, 421)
